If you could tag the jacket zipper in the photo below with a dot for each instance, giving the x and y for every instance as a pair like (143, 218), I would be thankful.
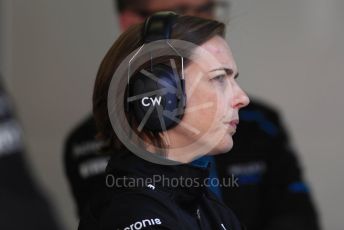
(198, 216)
(223, 227)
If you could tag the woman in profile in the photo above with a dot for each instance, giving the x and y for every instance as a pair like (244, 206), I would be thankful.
(165, 184)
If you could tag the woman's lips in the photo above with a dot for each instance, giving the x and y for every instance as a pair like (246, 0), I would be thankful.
(233, 124)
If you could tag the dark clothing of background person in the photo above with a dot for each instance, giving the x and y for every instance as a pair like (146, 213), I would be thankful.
(22, 206)
(146, 195)
(271, 192)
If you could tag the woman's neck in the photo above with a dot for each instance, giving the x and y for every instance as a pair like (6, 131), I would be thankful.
(176, 149)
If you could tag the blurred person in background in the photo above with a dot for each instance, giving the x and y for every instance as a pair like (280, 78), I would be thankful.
(271, 192)
(22, 205)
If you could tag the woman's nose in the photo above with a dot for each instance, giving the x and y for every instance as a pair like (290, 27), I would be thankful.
(240, 99)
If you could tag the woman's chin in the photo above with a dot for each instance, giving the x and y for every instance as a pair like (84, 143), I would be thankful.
(224, 146)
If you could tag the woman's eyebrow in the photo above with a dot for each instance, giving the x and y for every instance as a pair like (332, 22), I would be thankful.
(228, 71)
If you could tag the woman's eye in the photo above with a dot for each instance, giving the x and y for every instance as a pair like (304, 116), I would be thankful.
(220, 78)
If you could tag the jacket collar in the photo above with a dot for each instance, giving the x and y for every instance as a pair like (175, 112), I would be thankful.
(183, 181)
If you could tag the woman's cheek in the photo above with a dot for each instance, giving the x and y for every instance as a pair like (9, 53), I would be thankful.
(203, 118)
(214, 112)
(227, 96)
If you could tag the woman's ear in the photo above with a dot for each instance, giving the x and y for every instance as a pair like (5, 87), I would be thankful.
(128, 18)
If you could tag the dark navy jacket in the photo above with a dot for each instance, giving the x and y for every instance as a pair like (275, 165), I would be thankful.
(156, 203)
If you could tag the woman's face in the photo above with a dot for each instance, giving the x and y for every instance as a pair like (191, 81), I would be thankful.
(213, 100)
